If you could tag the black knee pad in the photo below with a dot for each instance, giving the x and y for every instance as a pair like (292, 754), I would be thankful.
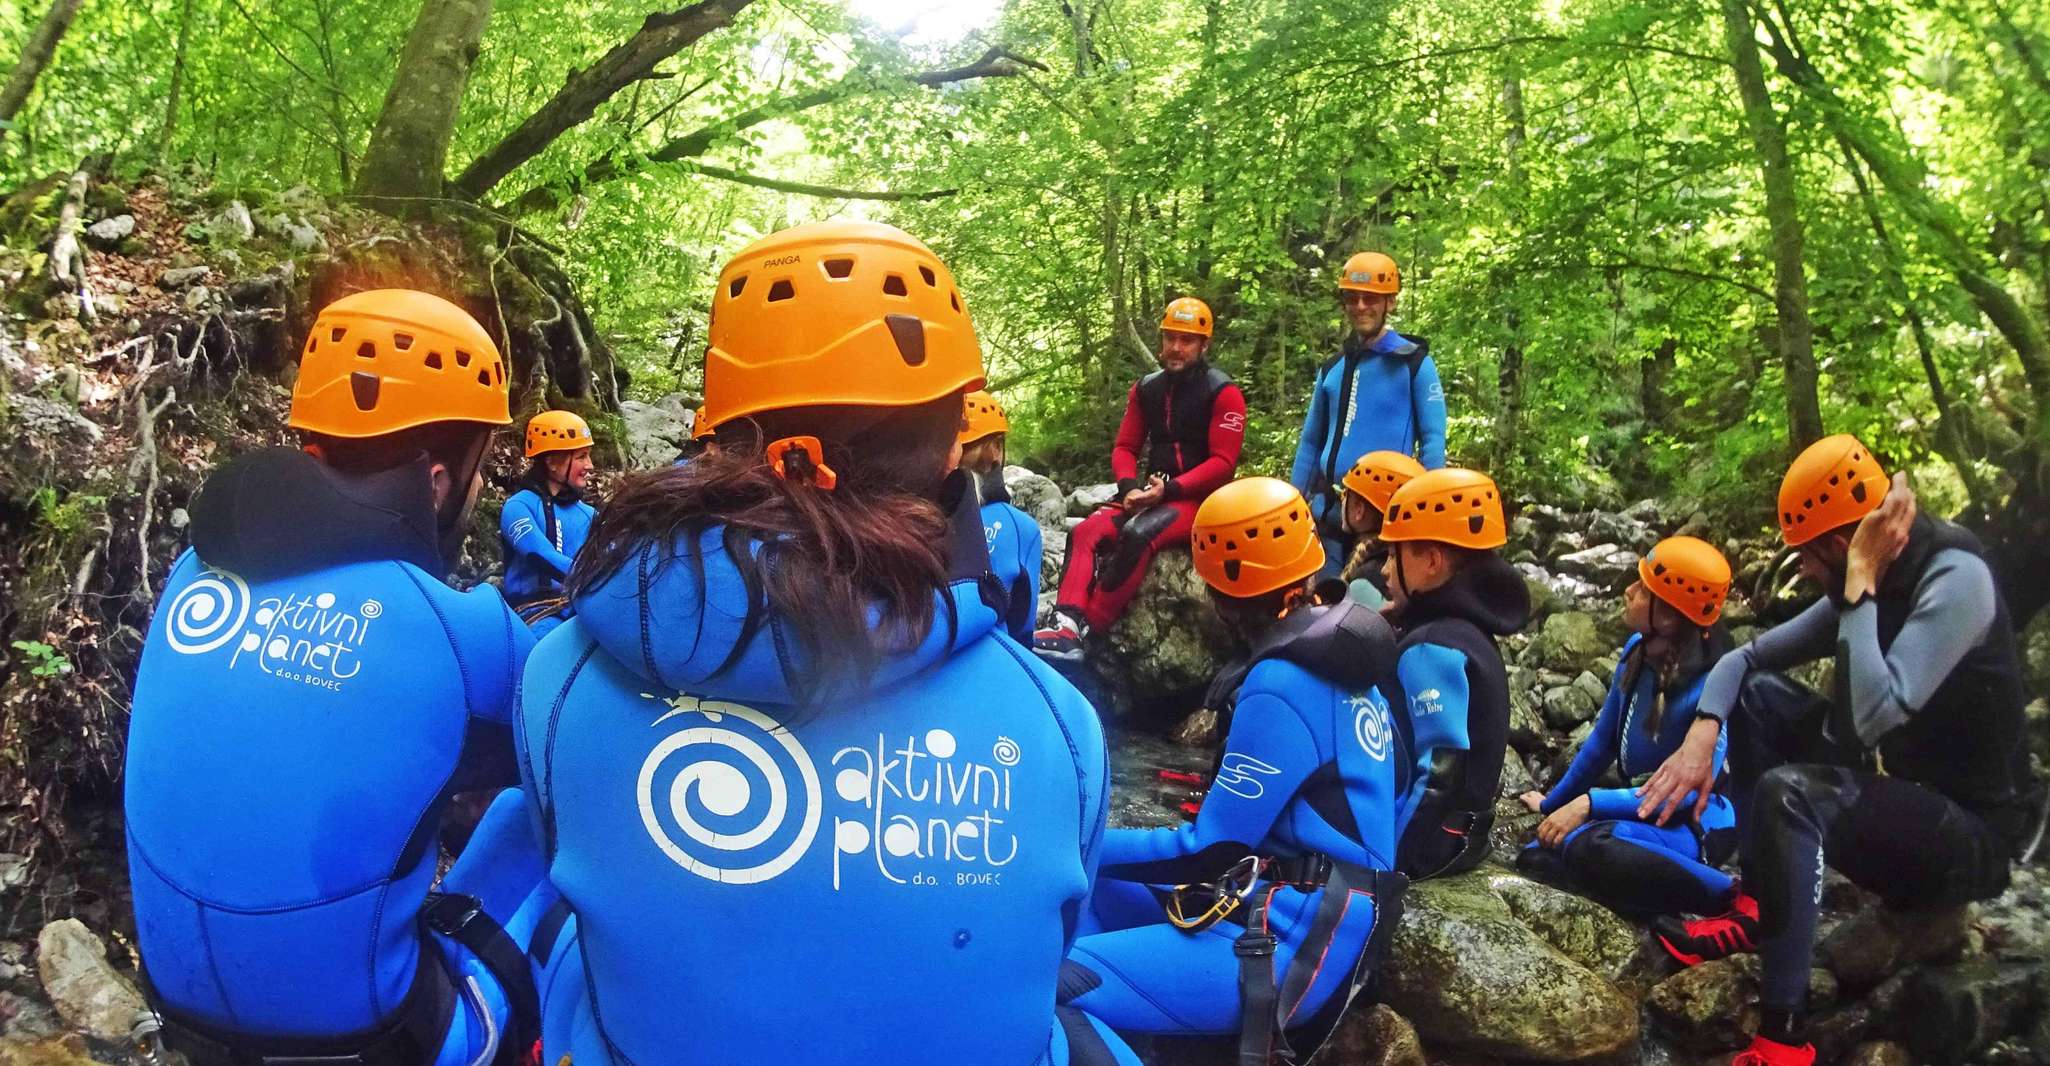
(1634, 878)
(1129, 546)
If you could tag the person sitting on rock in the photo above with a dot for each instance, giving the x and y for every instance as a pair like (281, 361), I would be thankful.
(1451, 596)
(311, 695)
(544, 524)
(1015, 543)
(1295, 841)
(1591, 840)
(1381, 391)
(1186, 422)
(1914, 782)
(1369, 485)
(806, 802)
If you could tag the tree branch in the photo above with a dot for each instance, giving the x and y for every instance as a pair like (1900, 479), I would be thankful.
(826, 192)
(995, 63)
(661, 36)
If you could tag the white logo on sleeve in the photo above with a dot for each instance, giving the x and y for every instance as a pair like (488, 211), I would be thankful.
(1426, 702)
(1370, 726)
(315, 639)
(521, 527)
(1232, 422)
(1240, 775)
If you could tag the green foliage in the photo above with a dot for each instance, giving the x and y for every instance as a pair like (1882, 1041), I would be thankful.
(42, 659)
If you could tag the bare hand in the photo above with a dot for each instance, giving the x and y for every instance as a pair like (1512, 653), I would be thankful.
(1879, 539)
(1154, 492)
(1690, 769)
(1554, 830)
(1534, 800)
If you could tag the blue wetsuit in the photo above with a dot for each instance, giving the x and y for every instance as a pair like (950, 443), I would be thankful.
(1312, 765)
(1615, 857)
(309, 696)
(892, 873)
(541, 538)
(1367, 398)
(1016, 547)
(1456, 691)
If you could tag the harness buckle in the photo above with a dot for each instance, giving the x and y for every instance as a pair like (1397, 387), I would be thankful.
(448, 913)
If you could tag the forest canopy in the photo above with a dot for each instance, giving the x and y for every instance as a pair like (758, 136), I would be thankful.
(1655, 244)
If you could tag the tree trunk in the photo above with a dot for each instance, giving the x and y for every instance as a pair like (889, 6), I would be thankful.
(664, 34)
(1509, 372)
(170, 128)
(1790, 282)
(42, 44)
(408, 153)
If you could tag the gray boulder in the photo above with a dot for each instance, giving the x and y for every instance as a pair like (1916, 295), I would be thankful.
(655, 432)
(1949, 1012)
(1374, 1036)
(1578, 928)
(233, 224)
(1567, 706)
(1607, 565)
(180, 277)
(1473, 977)
(1088, 498)
(1170, 641)
(1711, 1006)
(1568, 641)
(1038, 496)
(109, 232)
(88, 992)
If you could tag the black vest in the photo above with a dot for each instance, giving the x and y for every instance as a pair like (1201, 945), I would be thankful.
(1967, 741)
(1176, 409)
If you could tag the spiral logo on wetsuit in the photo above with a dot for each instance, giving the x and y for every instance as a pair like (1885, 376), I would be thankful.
(1370, 725)
(729, 796)
(207, 613)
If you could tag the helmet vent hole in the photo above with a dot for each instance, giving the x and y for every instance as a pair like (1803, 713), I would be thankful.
(932, 280)
(366, 350)
(1231, 545)
(956, 300)
(312, 343)
(363, 389)
(894, 286)
(402, 341)
(909, 333)
(1231, 569)
(1275, 532)
(782, 290)
(498, 369)
(839, 268)
(433, 360)
(733, 287)
(1474, 523)
(1292, 515)
(462, 357)
(1253, 534)
(336, 334)
(484, 378)
(1440, 507)
(1858, 492)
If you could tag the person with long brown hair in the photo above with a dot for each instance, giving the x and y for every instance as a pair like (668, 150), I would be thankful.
(799, 795)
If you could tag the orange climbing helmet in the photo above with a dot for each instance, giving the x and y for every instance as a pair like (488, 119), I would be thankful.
(385, 360)
(556, 431)
(1449, 506)
(1186, 314)
(701, 428)
(981, 416)
(1690, 574)
(1378, 474)
(1834, 483)
(836, 313)
(1253, 536)
(1370, 272)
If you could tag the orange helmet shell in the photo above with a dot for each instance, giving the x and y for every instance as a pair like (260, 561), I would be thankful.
(1689, 574)
(836, 313)
(1253, 536)
(385, 360)
(701, 428)
(1378, 474)
(557, 431)
(1187, 314)
(1370, 272)
(982, 415)
(1448, 506)
(1835, 482)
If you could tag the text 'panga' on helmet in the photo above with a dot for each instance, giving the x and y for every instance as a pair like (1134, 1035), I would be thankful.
(1690, 575)
(1187, 314)
(1833, 483)
(836, 313)
(557, 431)
(1378, 474)
(1253, 536)
(1370, 272)
(981, 415)
(386, 360)
(1448, 506)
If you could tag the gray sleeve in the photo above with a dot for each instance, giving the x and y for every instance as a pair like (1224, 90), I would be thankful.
(1953, 609)
(1804, 638)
